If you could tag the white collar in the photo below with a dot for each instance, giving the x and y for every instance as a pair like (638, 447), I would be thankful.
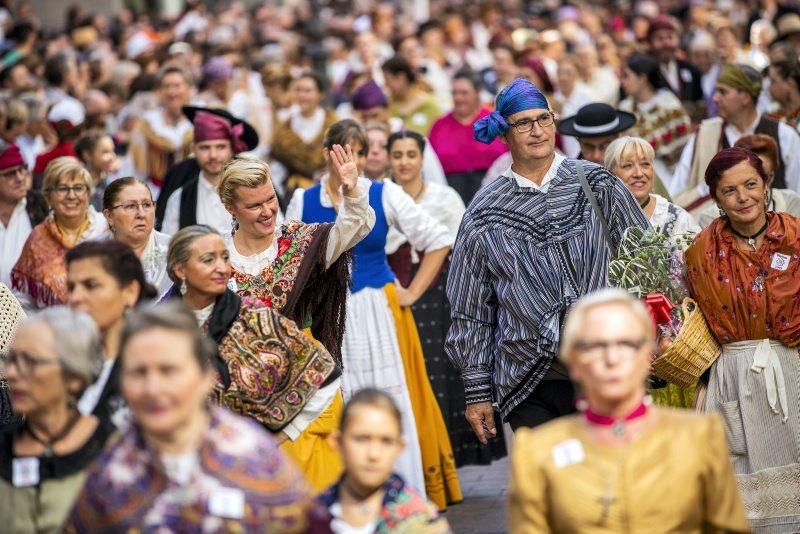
(749, 129)
(548, 177)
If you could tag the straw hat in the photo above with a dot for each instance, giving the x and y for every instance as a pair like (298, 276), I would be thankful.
(787, 26)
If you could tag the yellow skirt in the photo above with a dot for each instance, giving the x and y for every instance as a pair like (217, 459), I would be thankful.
(441, 478)
(313, 452)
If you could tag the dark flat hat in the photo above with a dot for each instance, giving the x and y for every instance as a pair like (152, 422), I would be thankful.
(596, 120)
(249, 136)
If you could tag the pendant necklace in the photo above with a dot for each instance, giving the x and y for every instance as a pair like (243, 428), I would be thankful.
(751, 239)
(48, 445)
(607, 499)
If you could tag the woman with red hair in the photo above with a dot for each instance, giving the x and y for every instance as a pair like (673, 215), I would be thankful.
(744, 272)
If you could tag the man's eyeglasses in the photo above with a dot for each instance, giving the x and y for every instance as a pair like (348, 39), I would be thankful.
(545, 120)
(16, 172)
(132, 207)
(62, 191)
(623, 349)
(26, 364)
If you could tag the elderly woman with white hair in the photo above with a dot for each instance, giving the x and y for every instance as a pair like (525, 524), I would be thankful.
(632, 160)
(622, 464)
(53, 357)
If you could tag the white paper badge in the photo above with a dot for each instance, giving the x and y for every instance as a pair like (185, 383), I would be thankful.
(227, 502)
(568, 452)
(25, 472)
(780, 261)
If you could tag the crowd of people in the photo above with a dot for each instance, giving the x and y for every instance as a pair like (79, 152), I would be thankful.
(286, 266)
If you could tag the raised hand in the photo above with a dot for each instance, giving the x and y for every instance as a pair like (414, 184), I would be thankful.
(345, 168)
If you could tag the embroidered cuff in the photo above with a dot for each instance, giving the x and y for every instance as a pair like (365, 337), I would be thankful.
(477, 386)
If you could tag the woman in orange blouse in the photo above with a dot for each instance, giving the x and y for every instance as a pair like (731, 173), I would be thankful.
(744, 271)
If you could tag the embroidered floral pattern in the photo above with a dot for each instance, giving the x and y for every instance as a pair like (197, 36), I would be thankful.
(273, 285)
(128, 489)
(274, 367)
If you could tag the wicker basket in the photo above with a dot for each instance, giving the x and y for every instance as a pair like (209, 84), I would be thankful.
(692, 351)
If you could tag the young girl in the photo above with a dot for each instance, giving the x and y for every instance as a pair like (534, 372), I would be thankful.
(370, 498)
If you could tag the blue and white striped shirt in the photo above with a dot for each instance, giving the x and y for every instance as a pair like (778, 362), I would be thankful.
(521, 259)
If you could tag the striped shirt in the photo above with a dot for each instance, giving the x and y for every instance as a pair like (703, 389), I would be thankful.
(522, 257)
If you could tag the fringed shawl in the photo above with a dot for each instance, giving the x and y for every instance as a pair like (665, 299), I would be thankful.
(41, 271)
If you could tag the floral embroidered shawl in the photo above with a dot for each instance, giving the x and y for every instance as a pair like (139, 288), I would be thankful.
(404, 511)
(298, 285)
(745, 294)
(128, 489)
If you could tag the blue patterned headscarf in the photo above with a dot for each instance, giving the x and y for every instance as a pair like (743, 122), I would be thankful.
(521, 95)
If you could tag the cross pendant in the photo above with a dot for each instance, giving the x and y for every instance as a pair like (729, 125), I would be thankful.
(606, 500)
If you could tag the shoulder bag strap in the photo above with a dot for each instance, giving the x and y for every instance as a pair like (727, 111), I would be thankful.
(590, 196)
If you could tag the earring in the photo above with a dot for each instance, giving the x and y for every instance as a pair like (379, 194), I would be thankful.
(767, 198)
(722, 212)
(127, 311)
(234, 225)
(183, 287)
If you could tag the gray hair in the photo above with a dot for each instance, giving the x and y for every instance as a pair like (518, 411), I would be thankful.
(174, 315)
(78, 345)
(574, 324)
(180, 246)
(618, 147)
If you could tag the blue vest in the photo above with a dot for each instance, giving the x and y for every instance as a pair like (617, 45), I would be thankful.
(370, 267)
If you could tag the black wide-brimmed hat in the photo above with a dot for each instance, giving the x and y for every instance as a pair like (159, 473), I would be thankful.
(249, 135)
(596, 120)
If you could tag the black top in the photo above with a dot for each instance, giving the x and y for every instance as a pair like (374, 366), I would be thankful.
(56, 467)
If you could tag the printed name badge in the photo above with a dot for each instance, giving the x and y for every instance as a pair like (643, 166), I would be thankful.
(568, 452)
(780, 261)
(227, 502)
(25, 472)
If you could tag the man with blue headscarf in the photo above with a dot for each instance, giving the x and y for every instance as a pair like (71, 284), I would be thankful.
(531, 243)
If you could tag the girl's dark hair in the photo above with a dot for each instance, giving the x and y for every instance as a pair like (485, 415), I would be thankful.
(399, 65)
(727, 158)
(788, 70)
(314, 77)
(647, 65)
(119, 260)
(87, 142)
(173, 315)
(406, 134)
(111, 194)
(344, 132)
(375, 398)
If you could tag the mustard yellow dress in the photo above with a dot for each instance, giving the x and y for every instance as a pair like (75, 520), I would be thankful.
(313, 451)
(438, 464)
(675, 478)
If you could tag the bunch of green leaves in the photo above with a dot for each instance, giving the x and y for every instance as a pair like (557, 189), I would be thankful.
(649, 262)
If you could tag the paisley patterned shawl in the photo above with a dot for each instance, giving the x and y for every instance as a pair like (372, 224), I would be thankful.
(273, 367)
(127, 488)
(298, 285)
